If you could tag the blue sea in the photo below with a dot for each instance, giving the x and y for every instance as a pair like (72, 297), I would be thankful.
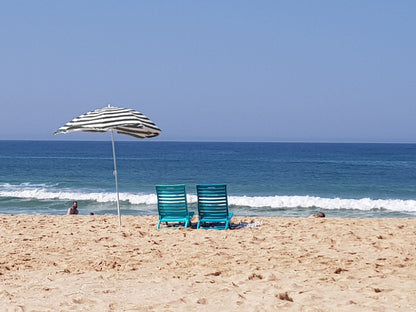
(263, 179)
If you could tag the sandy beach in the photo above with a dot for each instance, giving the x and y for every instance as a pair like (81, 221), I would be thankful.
(89, 263)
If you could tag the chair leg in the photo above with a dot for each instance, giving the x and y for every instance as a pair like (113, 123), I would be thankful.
(158, 225)
(198, 225)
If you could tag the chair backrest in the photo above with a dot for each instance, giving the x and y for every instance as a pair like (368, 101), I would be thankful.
(212, 200)
(171, 200)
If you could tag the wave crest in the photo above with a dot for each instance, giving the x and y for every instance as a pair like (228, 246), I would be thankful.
(43, 192)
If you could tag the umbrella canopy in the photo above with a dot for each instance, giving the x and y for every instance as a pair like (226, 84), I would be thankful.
(123, 120)
(110, 118)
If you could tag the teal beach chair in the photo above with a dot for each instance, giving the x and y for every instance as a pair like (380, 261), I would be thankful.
(213, 205)
(172, 205)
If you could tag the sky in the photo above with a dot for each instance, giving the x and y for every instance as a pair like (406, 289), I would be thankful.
(218, 70)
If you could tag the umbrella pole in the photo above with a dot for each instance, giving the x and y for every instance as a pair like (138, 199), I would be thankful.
(116, 177)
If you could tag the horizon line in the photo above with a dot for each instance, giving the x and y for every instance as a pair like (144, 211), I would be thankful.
(214, 141)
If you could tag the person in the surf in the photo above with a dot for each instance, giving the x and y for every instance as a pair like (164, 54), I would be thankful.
(74, 209)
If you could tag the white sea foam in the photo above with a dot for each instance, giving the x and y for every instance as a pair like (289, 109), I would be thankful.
(43, 192)
(324, 203)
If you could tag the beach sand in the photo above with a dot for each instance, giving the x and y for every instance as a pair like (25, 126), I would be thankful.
(89, 263)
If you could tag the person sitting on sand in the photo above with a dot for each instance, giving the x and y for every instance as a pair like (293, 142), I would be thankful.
(74, 209)
(318, 215)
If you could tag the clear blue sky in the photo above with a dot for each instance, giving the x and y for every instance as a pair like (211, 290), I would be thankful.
(311, 71)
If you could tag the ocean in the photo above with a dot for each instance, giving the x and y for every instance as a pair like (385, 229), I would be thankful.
(263, 179)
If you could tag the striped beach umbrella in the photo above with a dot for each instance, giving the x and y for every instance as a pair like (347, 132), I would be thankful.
(110, 118)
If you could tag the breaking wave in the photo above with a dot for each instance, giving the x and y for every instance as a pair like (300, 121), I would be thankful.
(44, 192)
